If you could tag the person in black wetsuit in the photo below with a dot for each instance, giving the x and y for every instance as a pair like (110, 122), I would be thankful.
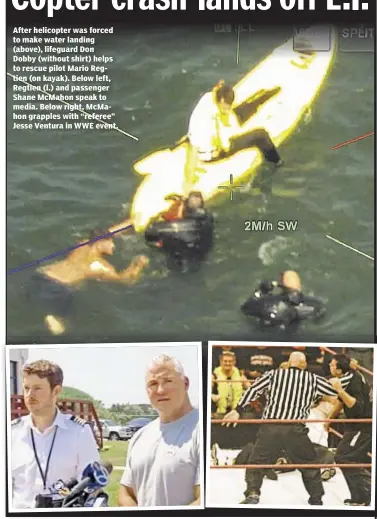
(185, 233)
(282, 303)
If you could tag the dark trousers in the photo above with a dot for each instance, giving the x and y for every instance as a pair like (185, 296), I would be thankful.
(293, 438)
(358, 480)
(323, 454)
(232, 437)
(257, 138)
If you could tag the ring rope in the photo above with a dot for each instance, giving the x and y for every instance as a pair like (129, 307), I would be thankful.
(296, 466)
(275, 420)
(323, 348)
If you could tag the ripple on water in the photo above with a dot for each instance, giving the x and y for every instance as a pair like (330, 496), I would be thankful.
(62, 183)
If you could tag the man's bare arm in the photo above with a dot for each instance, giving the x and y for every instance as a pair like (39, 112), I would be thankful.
(126, 496)
(102, 269)
(126, 225)
(197, 496)
(347, 399)
(132, 272)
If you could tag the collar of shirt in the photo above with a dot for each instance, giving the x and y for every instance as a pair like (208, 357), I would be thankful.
(58, 422)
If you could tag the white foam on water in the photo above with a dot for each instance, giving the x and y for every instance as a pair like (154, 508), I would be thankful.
(269, 250)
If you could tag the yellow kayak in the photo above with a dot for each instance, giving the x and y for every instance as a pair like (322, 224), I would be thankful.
(288, 80)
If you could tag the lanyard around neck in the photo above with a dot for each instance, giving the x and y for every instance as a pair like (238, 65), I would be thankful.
(43, 474)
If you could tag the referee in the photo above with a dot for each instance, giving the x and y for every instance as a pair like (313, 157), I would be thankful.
(290, 395)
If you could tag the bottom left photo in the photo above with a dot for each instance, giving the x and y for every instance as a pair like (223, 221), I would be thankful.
(99, 426)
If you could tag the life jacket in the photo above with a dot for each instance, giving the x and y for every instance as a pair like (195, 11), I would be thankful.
(173, 212)
(190, 236)
(229, 392)
(278, 309)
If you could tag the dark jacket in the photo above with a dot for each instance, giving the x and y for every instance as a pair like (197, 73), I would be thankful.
(360, 389)
(275, 305)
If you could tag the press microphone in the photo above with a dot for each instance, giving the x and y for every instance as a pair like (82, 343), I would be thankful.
(95, 475)
(63, 487)
(70, 483)
(108, 466)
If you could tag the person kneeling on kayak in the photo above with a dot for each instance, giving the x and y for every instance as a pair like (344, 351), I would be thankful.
(214, 132)
(184, 233)
(283, 303)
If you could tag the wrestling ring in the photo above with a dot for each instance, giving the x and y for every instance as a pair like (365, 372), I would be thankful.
(226, 480)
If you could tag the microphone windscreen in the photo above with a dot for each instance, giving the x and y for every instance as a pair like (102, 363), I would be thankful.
(107, 465)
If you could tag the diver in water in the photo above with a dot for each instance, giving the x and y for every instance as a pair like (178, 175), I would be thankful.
(184, 233)
(282, 303)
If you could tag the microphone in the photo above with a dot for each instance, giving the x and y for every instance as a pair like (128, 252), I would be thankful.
(94, 476)
(63, 487)
(70, 483)
(106, 464)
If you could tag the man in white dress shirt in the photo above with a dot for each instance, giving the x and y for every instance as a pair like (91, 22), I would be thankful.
(46, 445)
(215, 131)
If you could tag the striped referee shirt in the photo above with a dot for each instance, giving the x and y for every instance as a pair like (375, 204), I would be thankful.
(291, 392)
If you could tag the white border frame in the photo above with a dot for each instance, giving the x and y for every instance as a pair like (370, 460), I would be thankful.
(128, 511)
(286, 507)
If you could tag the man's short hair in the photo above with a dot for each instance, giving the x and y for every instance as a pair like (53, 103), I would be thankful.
(164, 359)
(225, 92)
(99, 234)
(342, 362)
(197, 194)
(45, 369)
(227, 353)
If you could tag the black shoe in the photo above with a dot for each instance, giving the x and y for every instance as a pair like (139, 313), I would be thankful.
(327, 474)
(251, 499)
(315, 501)
(357, 502)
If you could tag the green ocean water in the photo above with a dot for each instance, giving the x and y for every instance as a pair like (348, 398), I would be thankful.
(60, 184)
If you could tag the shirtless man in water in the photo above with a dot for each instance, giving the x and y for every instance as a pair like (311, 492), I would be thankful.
(53, 285)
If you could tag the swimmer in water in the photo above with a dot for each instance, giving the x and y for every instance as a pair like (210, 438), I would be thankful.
(184, 233)
(283, 303)
(52, 286)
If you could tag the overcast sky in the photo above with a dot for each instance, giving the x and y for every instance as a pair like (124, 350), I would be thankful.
(115, 373)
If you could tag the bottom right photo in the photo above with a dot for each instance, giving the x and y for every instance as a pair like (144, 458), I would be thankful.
(291, 426)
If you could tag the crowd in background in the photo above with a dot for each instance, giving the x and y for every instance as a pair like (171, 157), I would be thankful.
(234, 369)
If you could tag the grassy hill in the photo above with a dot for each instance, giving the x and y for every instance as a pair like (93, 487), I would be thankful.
(75, 394)
(120, 413)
